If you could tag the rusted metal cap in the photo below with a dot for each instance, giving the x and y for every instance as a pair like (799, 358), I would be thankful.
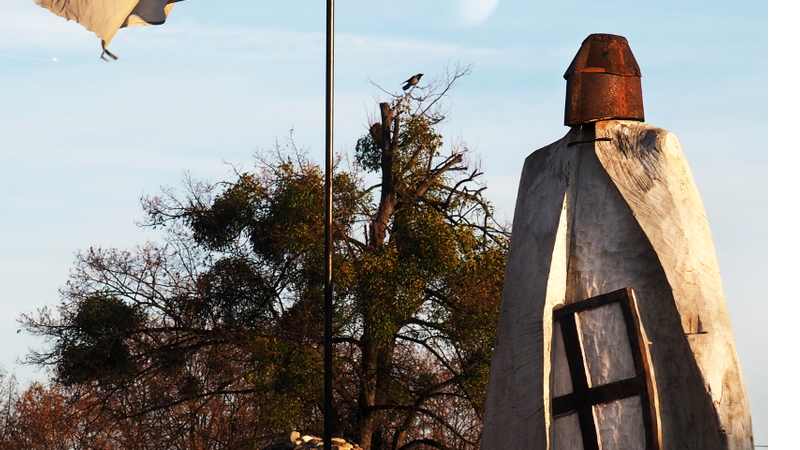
(603, 82)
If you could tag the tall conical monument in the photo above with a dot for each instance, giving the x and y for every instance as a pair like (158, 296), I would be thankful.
(613, 332)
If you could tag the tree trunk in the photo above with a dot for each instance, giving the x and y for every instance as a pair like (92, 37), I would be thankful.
(376, 362)
(389, 139)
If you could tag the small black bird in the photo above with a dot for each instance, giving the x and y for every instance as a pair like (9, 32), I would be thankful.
(412, 81)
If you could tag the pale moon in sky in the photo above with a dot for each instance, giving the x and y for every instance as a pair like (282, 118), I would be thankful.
(470, 13)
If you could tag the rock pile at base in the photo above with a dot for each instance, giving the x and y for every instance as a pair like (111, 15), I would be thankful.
(296, 441)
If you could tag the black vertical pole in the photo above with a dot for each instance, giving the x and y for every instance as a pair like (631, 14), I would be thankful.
(328, 412)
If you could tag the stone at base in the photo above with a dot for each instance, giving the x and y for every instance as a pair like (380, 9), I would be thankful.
(296, 441)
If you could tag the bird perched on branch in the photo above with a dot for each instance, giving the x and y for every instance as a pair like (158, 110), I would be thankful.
(412, 81)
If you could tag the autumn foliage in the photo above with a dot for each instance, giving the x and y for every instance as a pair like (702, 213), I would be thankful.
(213, 338)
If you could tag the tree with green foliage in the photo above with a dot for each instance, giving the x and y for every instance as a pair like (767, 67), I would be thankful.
(231, 306)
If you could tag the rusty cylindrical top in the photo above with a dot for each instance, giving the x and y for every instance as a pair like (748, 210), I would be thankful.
(603, 82)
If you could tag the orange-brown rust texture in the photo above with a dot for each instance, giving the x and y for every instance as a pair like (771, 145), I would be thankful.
(603, 82)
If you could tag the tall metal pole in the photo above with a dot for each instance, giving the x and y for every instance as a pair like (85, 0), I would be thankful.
(328, 412)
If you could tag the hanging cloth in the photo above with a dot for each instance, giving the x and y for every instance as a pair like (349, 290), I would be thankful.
(105, 17)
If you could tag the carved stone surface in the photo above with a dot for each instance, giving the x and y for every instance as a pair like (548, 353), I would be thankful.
(619, 209)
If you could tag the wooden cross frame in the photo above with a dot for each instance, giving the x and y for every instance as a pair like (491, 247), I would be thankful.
(584, 396)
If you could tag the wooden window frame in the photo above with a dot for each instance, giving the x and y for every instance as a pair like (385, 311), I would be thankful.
(583, 397)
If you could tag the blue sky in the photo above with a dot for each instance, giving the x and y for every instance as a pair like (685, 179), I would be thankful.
(81, 140)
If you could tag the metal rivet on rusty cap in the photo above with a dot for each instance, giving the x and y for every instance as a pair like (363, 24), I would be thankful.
(603, 82)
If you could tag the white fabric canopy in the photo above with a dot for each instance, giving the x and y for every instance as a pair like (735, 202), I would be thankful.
(105, 17)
